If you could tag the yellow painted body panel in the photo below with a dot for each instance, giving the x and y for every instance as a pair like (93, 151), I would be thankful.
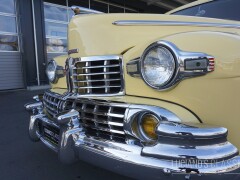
(214, 98)
(181, 112)
(96, 35)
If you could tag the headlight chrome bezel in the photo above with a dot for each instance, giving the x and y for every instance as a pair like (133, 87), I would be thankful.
(142, 66)
(186, 65)
(59, 72)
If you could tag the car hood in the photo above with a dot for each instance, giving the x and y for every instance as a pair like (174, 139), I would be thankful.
(99, 34)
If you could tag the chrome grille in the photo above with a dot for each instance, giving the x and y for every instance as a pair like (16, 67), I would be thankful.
(98, 75)
(51, 103)
(102, 120)
(56, 103)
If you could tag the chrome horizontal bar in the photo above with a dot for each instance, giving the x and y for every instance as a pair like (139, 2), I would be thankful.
(173, 23)
(103, 121)
(92, 67)
(97, 58)
(50, 108)
(103, 113)
(100, 80)
(105, 129)
(95, 87)
(92, 74)
(115, 115)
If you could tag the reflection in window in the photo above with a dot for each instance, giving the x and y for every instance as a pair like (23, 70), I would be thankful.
(56, 19)
(56, 45)
(224, 9)
(8, 43)
(7, 6)
(55, 13)
(56, 29)
(8, 24)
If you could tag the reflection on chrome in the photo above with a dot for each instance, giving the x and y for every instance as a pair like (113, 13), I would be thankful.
(180, 148)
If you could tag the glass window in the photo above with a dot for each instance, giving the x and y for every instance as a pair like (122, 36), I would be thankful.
(8, 43)
(56, 45)
(7, 6)
(55, 13)
(55, 29)
(56, 20)
(8, 24)
(221, 9)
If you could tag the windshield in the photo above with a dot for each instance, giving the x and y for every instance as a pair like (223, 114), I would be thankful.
(221, 9)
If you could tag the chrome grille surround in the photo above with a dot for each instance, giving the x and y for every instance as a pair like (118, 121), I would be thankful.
(101, 119)
(98, 75)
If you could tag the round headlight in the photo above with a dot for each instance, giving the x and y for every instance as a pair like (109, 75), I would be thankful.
(148, 124)
(157, 66)
(51, 71)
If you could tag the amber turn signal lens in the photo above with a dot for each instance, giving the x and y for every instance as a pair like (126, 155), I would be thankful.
(149, 124)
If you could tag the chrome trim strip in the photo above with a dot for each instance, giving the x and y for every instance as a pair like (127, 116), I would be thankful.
(94, 58)
(173, 23)
(92, 74)
(97, 80)
(106, 66)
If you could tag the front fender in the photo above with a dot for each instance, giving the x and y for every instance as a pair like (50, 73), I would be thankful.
(214, 97)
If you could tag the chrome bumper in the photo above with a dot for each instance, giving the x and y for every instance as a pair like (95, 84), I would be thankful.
(183, 157)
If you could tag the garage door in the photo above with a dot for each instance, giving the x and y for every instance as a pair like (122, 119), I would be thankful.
(11, 76)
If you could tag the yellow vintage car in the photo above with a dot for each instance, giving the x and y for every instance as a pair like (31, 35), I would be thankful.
(149, 96)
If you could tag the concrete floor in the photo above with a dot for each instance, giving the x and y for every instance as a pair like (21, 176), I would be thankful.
(21, 159)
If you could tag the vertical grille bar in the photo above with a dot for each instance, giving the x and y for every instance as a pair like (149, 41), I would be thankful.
(88, 78)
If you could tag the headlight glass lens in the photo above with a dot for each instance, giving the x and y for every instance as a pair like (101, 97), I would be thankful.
(158, 66)
(148, 126)
(51, 70)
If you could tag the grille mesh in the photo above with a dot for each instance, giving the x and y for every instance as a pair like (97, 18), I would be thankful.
(102, 75)
(102, 120)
